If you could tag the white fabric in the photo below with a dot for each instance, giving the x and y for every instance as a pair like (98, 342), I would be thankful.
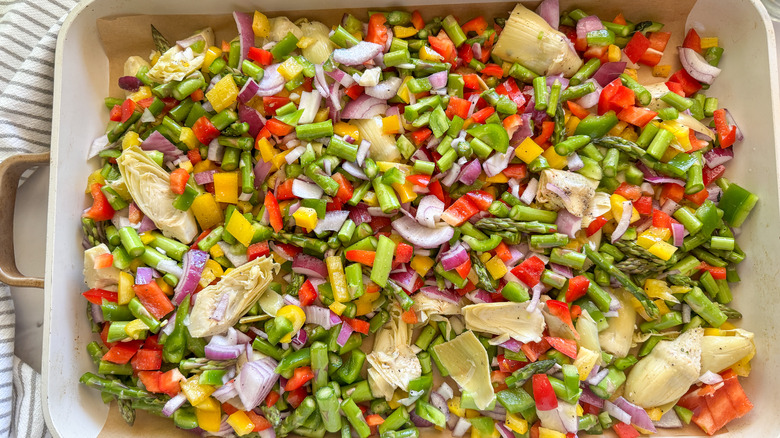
(28, 36)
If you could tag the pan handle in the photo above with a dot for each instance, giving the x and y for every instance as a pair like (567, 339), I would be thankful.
(11, 170)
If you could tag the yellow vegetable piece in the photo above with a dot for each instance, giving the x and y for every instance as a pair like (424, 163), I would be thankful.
(403, 90)
(384, 166)
(94, 177)
(496, 267)
(727, 326)
(475, 433)
(165, 287)
(655, 414)
(240, 422)
(629, 134)
(498, 179)
(188, 138)
(371, 199)
(652, 235)
(260, 25)
(203, 166)
(663, 309)
(224, 93)
(131, 138)
(290, 68)
(618, 129)
(278, 159)
(125, 291)
(680, 132)
(528, 150)
(708, 42)
(211, 54)
(305, 217)
(144, 92)
(295, 315)
(631, 72)
(428, 54)
(662, 71)
(553, 159)
(337, 308)
(338, 280)
(216, 251)
(305, 42)
(549, 433)
(209, 404)
(405, 192)
(617, 208)
(226, 187)
(572, 123)
(194, 391)
(136, 328)
(404, 31)
(454, 406)
(321, 116)
(240, 228)
(186, 165)
(613, 53)
(267, 151)
(422, 264)
(516, 423)
(215, 267)
(391, 124)
(207, 211)
(663, 250)
(209, 421)
(147, 238)
(344, 128)
(586, 360)
(244, 206)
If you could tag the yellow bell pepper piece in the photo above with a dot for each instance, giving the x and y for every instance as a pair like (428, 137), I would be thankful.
(663, 309)
(428, 54)
(405, 192)
(290, 68)
(215, 267)
(553, 159)
(658, 289)
(613, 53)
(549, 433)
(629, 134)
(305, 217)
(370, 199)
(680, 132)
(528, 150)
(244, 206)
(422, 264)
(404, 31)
(210, 421)
(344, 128)
(209, 404)
(663, 250)
(391, 124)
(165, 287)
(240, 228)
(652, 235)
(194, 391)
(454, 406)
(296, 316)
(708, 42)
(135, 329)
(94, 177)
(496, 267)
(403, 90)
(204, 166)
(206, 211)
(337, 308)
(144, 92)
(662, 71)
(305, 42)
(631, 72)
(211, 54)
(147, 237)
(226, 187)
(572, 123)
(131, 138)
(224, 93)
(337, 279)
(384, 166)
(260, 25)
(516, 423)
(586, 360)
(617, 208)
(240, 422)
(125, 291)
(321, 116)
(186, 165)
(498, 179)
(188, 138)
(267, 151)
(618, 128)
(216, 251)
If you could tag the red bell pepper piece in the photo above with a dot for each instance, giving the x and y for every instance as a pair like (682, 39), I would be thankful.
(150, 379)
(459, 212)
(509, 365)
(179, 178)
(578, 287)
(644, 205)
(466, 54)
(494, 70)
(529, 271)
(481, 199)
(419, 136)
(477, 25)
(689, 84)
(436, 190)
(716, 272)
(101, 210)
(104, 261)
(301, 375)
(565, 346)
(194, 156)
(147, 360)
(726, 133)
(560, 310)
(345, 187)
(419, 180)
(96, 296)
(204, 130)
(278, 128)
(512, 123)
(482, 115)
(637, 116)
(263, 57)
(547, 132)
(255, 250)
(519, 171)
(153, 298)
(284, 191)
(636, 47)
(152, 343)
(354, 91)
(658, 40)
(698, 198)
(169, 382)
(599, 52)
(692, 41)
(661, 219)
(544, 396)
(577, 109)
(417, 20)
(272, 103)
(596, 225)
(358, 325)
(710, 175)
(361, 256)
(443, 45)
(295, 397)
(403, 253)
(274, 214)
(458, 107)
(624, 430)
(471, 81)
(272, 398)
(128, 108)
(533, 350)
(672, 191)
(628, 191)
(307, 294)
(115, 115)
(122, 352)
(377, 32)
(502, 251)
(259, 421)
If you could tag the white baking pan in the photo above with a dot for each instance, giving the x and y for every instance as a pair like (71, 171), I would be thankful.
(748, 87)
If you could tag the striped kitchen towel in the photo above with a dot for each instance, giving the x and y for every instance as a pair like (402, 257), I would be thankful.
(28, 36)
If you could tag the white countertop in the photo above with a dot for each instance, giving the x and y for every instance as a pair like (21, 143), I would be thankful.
(30, 243)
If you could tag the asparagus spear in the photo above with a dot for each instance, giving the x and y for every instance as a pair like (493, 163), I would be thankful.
(114, 387)
(519, 377)
(503, 224)
(486, 281)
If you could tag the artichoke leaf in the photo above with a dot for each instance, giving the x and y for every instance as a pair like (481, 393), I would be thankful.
(382, 145)
(318, 51)
(507, 318)
(427, 307)
(617, 337)
(105, 278)
(393, 362)
(667, 372)
(243, 286)
(176, 64)
(721, 352)
(149, 185)
(466, 359)
(579, 190)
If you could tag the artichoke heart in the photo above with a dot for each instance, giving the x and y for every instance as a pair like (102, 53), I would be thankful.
(318, 51)
(243, 286)
(528, 39)
(667, 372)
(393, 362)
(466, 359)
(176, 64)
(600, 205)
(149, 186)
(508, 318)
(617, 337)
(578, 191)
(428, 307)
(382, 145)
(105, 278)
(721, 352)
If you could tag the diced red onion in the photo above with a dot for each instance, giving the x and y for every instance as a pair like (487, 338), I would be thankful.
(615, 411)
(306, 190)
(344, 334)
(512, 345)
(332, 221)
(438, 80)
(246, 35)
(174, 404)
(550, 11)
(504, 431)
(294, 154)
(454, 257)
(568, 223)
(193, 262)
(359, 214)
(670, 207)
(272, 82)
(97, 313)
(223, 352)
(319, 81)
(130, 83)
(473, 99)
(236, 258)
(608, 72)
(452, 175)
(364, 107)
(252, 117)
(732, 122)
(354, 170)
(219, 310)
(261, 171)
(479, 296)
(420, 235)
(215, 152)
(248, 91)
(678, 232)
(697, 66)
(639, 416)
(516, 256)
(710, 378)
(377, 212)
(588, 24)
(476, 49)
(255, 381)
(592, 399)
(595, 377)
(717, 156)
(591, 99)
(574, 162)
(714, 193)
(559, 78)
(407, 279)
(664, 180)
(558, 191)
(435, 293)
(625, 220)
(496, 163)
(158, 142)
(385, 89)
(462, 426)
(204, 177)
(536, 294)
(429, 211)
(321, 316)
(299, 340)
(530, 191)
(143, 275)
(358, 54)
(342, 78)
(98, 144)
(309, 265)
(363, 149)
(561, 270)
